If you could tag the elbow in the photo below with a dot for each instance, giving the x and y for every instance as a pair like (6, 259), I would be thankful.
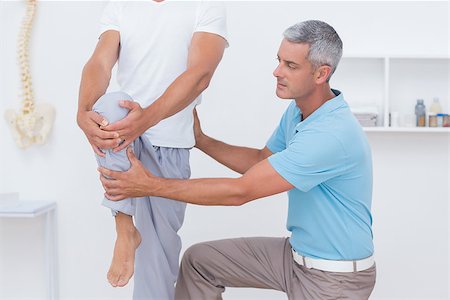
(204, 83)
(242, 194)
(204, 80)
(242, 201)
(89, 66)
(238, 202)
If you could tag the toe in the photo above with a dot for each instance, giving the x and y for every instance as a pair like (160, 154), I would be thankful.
(113, 278)
(123, 281)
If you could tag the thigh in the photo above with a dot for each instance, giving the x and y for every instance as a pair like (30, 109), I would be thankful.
(159, 219)
(358, 285)
(243, 262)
(320, 285)
(166, 214)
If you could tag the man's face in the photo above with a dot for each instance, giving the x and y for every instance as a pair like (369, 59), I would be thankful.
(294, 73)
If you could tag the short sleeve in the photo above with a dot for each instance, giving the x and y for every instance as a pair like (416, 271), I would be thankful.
(212, 18)
(310, 159)
(277, 142)
(110, 19)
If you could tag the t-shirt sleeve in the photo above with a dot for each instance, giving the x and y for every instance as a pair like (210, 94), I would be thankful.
(110, 19)
(212, 18)
(277, 141)
(310, 159)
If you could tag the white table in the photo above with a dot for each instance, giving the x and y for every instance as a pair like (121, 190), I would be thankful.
(11, 207)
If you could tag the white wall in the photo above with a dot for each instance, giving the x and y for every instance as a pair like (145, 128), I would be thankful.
(411, 178)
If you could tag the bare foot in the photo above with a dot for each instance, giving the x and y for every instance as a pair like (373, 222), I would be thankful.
(122, 265)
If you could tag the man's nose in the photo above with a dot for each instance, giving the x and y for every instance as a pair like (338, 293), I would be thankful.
(277, 71)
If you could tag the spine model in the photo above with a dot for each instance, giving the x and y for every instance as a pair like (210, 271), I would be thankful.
(33, 123)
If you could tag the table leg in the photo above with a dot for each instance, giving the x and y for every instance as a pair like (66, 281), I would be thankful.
(51, 255)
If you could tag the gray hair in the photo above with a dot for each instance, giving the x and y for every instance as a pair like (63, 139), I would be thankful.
(325, 45)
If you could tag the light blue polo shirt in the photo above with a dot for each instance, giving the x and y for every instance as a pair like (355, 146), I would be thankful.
(328, 160)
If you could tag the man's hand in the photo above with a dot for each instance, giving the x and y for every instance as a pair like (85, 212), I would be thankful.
(122, 185)
(198, 133)
(90, 122)
(130, 127)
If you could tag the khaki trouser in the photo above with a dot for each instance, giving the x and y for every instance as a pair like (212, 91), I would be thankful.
(267, 263)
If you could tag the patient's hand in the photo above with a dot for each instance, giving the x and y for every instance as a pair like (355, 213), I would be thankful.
(130, 127)
(90, 122)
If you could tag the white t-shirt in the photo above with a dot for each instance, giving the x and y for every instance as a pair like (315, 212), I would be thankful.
(155, 39)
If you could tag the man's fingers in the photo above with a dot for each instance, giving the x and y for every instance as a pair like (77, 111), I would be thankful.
(122, 146)
(107, 144)
(126, 122)
(106, 182)
(100, 120)
(131, 155)
(109, 174)
(108, 134)
(98, 151)
(128, 104)
(195, 113)
(114, 197)
(112, 190)
(119, 125)
(103, 171)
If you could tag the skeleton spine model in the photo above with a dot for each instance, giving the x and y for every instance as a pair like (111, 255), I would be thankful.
(33, 123)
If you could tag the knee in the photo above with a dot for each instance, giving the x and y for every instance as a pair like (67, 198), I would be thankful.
(108, 106)
(194, 255)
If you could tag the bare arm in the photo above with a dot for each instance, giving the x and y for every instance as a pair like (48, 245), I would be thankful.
(94, 82)
(205, 53)
(239, 159)
(259, 181)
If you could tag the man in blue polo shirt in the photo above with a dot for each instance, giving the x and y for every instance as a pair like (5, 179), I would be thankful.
(319, 154)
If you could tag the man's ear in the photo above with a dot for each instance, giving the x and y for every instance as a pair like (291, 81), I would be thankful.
(322, 74)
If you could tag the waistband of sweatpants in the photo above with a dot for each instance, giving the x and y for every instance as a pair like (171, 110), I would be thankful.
(334, 265)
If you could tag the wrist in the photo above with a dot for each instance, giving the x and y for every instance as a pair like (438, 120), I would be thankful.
(79, 115)
(201, 141)
(154, 186)
(150, 116)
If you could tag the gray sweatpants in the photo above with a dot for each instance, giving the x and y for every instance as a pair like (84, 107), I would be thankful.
(157, 219)
(267, 263)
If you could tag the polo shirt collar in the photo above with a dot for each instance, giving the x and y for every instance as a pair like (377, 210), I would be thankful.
(325, 108)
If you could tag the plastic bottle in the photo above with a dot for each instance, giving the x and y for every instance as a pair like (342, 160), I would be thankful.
(432, 120)
(420, 113)
(440, 120)
(436, 107)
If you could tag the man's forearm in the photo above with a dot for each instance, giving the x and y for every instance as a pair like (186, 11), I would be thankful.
(185, 89)
(94, 82)
(207, 191)
(239, 159)
(258, 182)
(205, 52)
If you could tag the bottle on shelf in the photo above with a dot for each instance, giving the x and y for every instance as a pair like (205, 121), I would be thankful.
(420, 111)
(440, 120)
(446, 121)
(436, 107)
(432, 120)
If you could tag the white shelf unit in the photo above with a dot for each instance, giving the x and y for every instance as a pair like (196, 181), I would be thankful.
(393, 84)
(12, 207)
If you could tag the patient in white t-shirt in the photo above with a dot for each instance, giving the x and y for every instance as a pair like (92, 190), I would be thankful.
(167, 53)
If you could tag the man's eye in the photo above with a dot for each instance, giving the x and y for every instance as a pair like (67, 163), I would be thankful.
(290, 66)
